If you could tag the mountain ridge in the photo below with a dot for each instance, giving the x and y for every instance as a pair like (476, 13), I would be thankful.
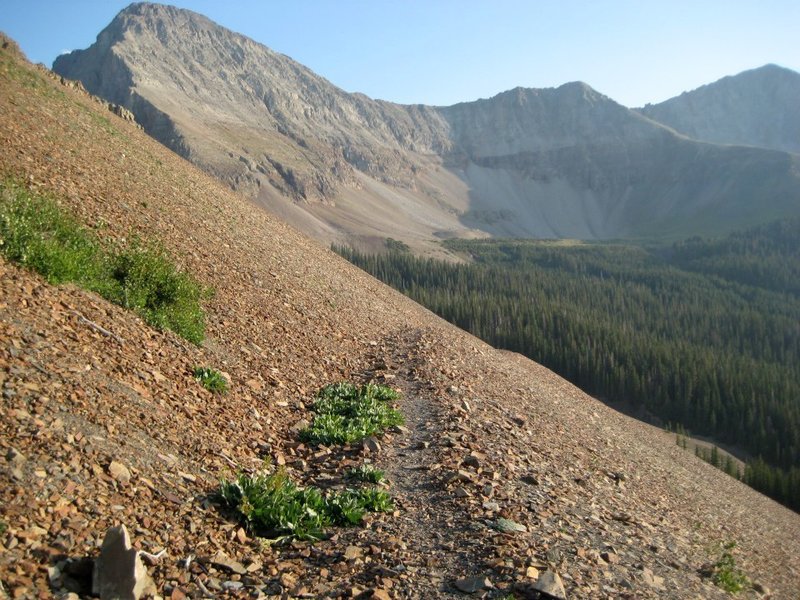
(558, 162)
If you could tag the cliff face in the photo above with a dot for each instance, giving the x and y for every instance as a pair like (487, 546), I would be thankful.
(565, 162)
(760, 108)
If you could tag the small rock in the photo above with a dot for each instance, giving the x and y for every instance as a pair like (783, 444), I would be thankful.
(379, 595)
(509, 526)
(371, 444)
(476, 583)
(232, 585)
(226, 562)
(352, 552)
(465, 405)
(610, 557)
(462, 493)
(759, 588)
(15, 457)
(300, 426)
(119, 571)
(471, 461)
(241, 535)
(532, 573)
(549, 584)
(119, 472)
(491, 506)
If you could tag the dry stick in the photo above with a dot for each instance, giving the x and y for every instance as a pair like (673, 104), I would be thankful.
(98, 328)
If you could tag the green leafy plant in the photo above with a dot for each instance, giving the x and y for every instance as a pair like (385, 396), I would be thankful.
(366, 473)
(38, 234)
(346, 413)
(273, 506)
(725, 574)
(3, 527)
(145, 280)
(211, 379)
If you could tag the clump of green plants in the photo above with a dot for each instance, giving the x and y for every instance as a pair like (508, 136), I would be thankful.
(271, 505)
(38, 234)
(3, 527)
(725, 574)
(346, 413)
(211, 379)
(367, 473)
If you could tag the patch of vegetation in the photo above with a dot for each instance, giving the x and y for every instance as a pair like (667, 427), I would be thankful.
(367, 473)
(211, 379)
(393, 245)
(273, 506)
(346, 413)
(3, 527)
(38, 234)
(725, 574)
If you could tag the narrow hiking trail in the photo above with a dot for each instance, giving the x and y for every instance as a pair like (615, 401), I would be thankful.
(440, 539)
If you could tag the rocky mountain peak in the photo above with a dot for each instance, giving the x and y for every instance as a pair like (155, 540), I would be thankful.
(759, 107)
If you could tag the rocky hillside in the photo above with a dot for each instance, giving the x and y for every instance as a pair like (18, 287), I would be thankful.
(503, 477)
(760, 108)
(565, 162)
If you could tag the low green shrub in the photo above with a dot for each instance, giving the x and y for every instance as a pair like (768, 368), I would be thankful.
(346, 413)
(366, 473)
(38, 234)
(211, 379)
(273, 506)
(725, 574)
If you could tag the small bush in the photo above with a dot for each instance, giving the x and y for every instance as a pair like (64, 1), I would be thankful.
(273, 506)
(145, 280)
(725, 574)
(346, 413)
(38, 234)
(367, 473)
(211, 379)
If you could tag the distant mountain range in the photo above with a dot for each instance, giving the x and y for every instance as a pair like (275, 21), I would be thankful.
(563, 162)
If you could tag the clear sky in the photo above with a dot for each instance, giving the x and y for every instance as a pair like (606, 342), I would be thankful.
(447, 51)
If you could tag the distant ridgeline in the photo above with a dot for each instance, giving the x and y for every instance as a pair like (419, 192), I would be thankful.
(703, 333)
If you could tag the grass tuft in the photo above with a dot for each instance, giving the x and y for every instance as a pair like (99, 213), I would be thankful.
(346, 413)
(273, 506)
(38, 234)
(211, 379)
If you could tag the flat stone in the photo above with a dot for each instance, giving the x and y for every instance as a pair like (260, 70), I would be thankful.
(226, 562)
(509, 526)
(232, 585)
(550, 584)
(352, 552)
(476, 583)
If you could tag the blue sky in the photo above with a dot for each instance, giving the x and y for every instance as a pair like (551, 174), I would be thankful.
(447, 51)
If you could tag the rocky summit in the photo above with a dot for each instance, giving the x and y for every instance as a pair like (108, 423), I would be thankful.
(506, 481)
(564, 162)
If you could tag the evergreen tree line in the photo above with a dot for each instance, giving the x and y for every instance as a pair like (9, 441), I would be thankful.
(677, 331)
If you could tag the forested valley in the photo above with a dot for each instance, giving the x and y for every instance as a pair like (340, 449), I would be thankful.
(700, 333)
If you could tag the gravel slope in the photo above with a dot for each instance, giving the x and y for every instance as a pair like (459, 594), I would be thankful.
(610, 504)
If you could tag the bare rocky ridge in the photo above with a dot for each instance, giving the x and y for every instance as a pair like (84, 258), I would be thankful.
(760, 107)
(565, 162)
(506, 475)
